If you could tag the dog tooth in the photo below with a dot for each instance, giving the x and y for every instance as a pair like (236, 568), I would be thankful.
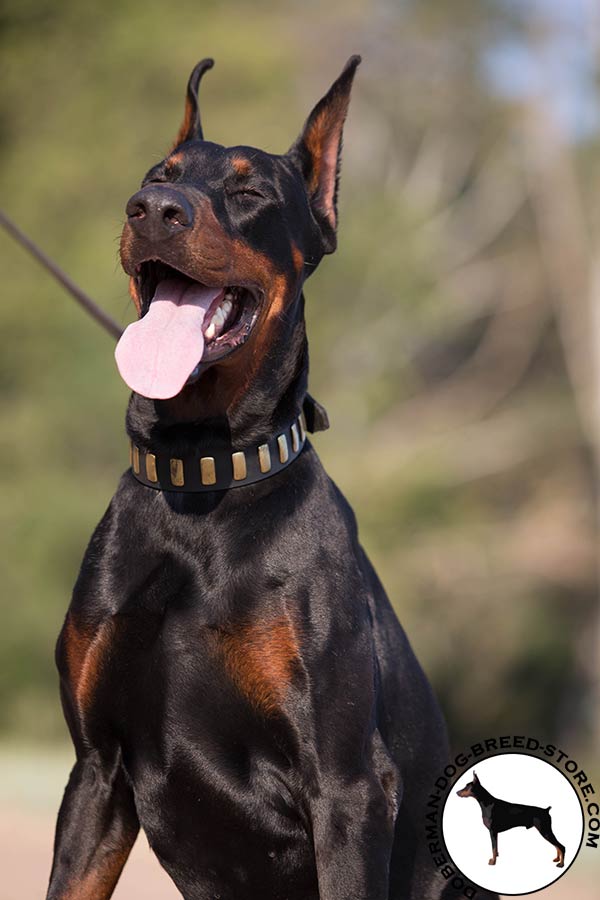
(210, 331)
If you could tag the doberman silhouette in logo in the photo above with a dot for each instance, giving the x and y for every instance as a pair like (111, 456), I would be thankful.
(500, 815)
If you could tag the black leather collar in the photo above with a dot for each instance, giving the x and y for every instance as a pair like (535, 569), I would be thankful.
(221, 469)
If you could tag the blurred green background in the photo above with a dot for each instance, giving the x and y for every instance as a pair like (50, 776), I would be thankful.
(454, 335)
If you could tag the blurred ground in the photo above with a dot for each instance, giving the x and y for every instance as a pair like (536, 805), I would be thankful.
(26, 853)
(31, 787)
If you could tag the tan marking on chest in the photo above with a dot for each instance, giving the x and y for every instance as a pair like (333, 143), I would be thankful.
(260, 658)
(86, 652)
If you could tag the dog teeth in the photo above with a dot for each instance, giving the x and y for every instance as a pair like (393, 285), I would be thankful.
(219, 317)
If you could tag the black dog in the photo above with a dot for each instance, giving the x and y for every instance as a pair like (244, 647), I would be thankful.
(233, 676)
(500, 815)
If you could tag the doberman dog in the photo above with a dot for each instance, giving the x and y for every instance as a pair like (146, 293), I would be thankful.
(232, 674)
(500, 815)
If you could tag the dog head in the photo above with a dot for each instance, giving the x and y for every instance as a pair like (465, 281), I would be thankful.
(470, 788)
(218, 242)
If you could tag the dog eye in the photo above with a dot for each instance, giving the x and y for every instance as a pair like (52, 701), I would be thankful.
(246, 192)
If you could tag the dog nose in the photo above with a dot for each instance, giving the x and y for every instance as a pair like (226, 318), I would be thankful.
(157, 212)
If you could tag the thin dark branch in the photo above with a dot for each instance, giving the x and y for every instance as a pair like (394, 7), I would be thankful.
(80, 296)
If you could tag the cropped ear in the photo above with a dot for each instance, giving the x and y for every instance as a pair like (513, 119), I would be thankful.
(475, 778)
(191, 127)
(317, 152)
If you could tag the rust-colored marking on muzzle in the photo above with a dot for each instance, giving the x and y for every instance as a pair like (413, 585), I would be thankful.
(133, 293)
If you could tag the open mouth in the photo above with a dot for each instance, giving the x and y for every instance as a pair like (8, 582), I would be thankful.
(228, 321)
(184, 326)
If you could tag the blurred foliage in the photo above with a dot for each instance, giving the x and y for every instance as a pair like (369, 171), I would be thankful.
(435, 343)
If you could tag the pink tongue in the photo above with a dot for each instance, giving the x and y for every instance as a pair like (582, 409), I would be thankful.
(157, 354)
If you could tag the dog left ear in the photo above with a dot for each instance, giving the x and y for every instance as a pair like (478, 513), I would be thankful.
(317, 152)
(191, 127)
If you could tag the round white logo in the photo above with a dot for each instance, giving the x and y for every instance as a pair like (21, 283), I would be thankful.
(513, 824)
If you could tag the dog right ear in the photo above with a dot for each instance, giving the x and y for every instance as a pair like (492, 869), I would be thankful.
(475, 778)
(191, 127)
(317, 152)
